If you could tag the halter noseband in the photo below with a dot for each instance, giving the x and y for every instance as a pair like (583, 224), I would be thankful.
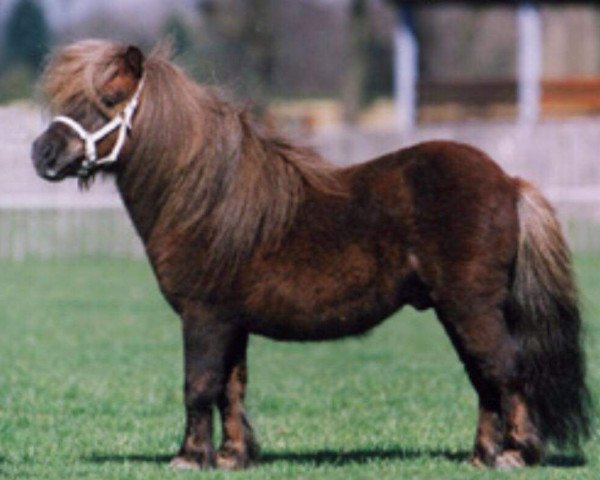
(122, 121)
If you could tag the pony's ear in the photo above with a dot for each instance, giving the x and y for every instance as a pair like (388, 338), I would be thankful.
(134, 61)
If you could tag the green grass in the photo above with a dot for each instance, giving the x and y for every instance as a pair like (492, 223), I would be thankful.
(90, 387)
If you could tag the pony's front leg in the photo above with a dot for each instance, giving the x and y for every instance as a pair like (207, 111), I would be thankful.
(207, 338)
(239, 448)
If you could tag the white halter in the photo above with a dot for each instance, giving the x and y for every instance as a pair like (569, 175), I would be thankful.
(122, 121)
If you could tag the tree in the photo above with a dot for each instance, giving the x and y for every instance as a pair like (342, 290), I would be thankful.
(179, 34)
(27, 35)
(241, 44)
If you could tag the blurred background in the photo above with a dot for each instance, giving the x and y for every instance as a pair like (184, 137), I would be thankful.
(353, 78)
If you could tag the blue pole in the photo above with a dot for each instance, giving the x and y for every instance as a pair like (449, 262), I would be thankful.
(406, 68)
(529, 61)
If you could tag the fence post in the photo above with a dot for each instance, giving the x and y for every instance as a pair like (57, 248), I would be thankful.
(406, 68)
(529, 61)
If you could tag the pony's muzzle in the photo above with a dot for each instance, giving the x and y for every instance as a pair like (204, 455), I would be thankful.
(47, 154)
(43, 153)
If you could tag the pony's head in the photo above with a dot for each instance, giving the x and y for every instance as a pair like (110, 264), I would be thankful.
(92, 89)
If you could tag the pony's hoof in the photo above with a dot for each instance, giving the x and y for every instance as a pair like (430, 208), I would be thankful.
(186, 462)
(509, 460)
(477, 462)
(232, 459)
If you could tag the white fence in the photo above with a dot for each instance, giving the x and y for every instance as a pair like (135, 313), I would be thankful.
(39, 219)
(66, 233)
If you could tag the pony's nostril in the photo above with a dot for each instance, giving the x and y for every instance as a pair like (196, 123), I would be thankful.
(48, 152)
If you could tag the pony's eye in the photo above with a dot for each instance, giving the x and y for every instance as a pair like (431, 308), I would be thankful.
(110, 100)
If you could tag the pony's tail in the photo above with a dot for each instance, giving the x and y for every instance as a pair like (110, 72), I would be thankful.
(545, 316)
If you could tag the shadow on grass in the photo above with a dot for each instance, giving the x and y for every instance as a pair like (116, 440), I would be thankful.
(565, 461)
(319, 457)
(332, 457)
(101, 458)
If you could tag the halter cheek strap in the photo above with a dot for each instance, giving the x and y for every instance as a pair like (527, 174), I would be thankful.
(122, 122)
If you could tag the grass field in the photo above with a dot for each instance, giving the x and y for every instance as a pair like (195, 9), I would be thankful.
(90, 387)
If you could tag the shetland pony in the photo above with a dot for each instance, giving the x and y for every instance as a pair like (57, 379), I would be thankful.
(250, 234)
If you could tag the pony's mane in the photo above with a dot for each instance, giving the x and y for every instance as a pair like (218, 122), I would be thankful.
(198, 163)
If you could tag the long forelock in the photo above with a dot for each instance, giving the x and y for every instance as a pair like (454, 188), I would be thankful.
(74, 73)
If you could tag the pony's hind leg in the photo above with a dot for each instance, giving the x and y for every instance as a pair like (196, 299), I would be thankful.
(239, 448)
(490, 423)
(488, 438)
(505, 437)
(522, 441)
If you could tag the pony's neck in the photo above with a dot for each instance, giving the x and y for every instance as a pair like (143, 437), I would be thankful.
(214, 176)
(168, 139)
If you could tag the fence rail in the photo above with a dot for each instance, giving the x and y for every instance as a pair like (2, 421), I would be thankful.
(67, 233)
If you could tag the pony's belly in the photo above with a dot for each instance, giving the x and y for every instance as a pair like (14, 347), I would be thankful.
(327, 294)
(315, 328)
(352, 315)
